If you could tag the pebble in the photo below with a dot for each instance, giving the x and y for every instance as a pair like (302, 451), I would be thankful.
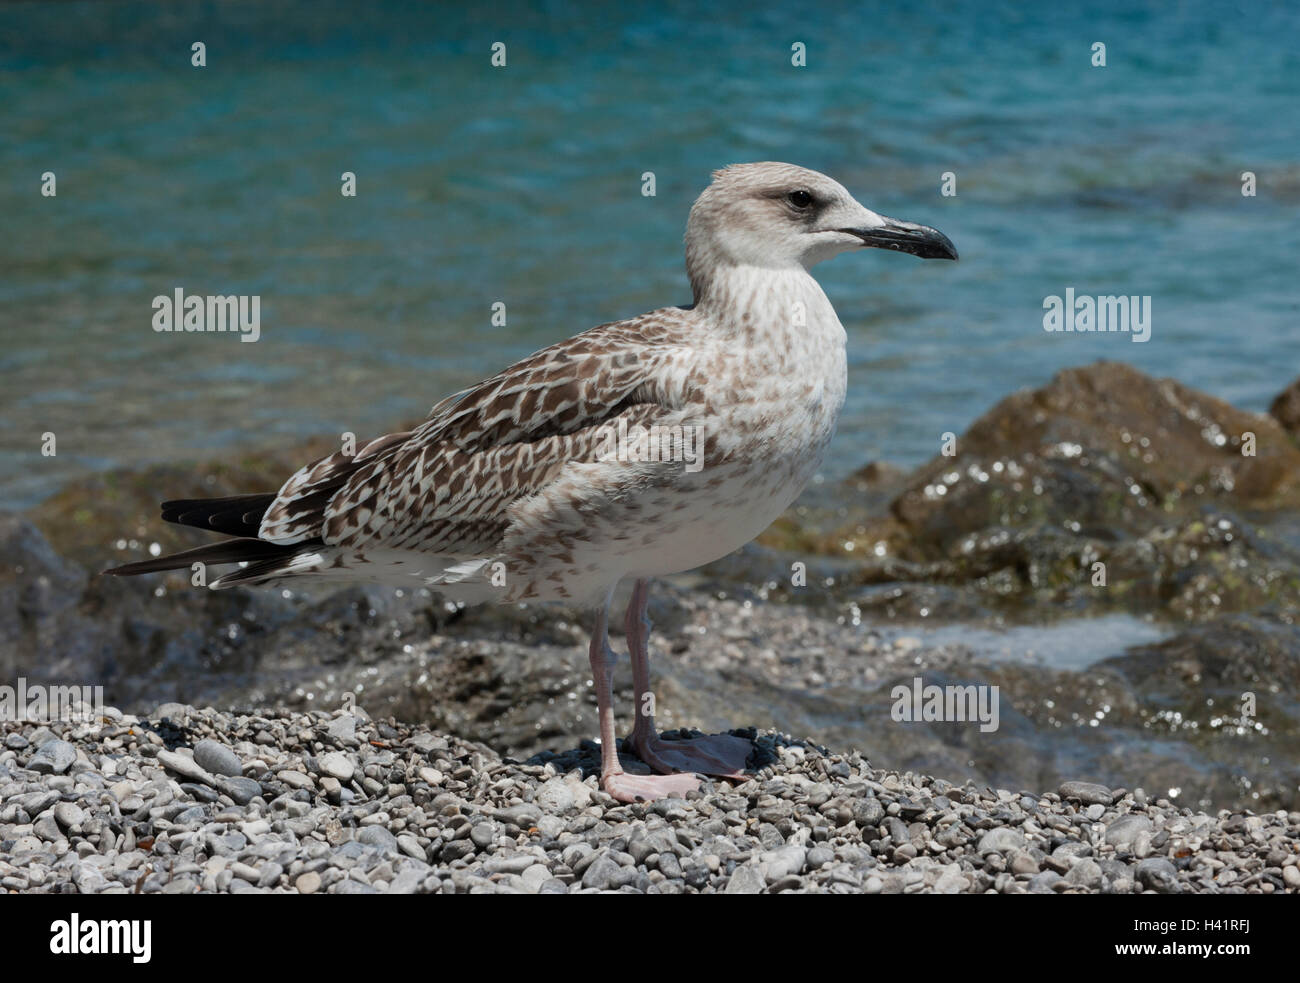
(745, 880)
(418, 812)
(1000, 840)
(216, 758)
(343, 731)
(241, 790)
(1086, 792)
(555, 796)
(338, 766)
(52, 758)
(1159, 875)
(183, 766)
(1123, 831)
(296, 779)
(69, 815)
(379, 837)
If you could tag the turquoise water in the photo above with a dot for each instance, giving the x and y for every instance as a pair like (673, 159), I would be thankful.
(523, 185)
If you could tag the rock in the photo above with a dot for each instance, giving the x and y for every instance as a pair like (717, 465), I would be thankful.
(1085, 792)
(602, 874)
(745, 879)
(952, 881)
(410, 846)
(185, 767)
(535, 877)
(1022, 862)
(784, 862)
(69, 815)
(377, 836)
(1159, 875)
(1044, 883)
(52, 758)
(510, 865)
(1285, 408)
(47, 828)
(1000, 840)
(1102, 454)
(241, 790)
(216, 759)
(555, 796)
(337, 765)
(1123, 831)
(867, 811)
(524, 816)
(343, 731)
(308, 883)
(296, 779)
(1085, 873)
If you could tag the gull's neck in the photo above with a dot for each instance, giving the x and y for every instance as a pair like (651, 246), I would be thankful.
(758, 303)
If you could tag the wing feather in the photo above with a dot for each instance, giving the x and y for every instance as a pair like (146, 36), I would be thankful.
(448, 485)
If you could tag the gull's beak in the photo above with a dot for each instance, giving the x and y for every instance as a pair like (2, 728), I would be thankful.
(906, 237)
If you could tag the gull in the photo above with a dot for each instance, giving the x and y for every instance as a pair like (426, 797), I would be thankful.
(636, 449)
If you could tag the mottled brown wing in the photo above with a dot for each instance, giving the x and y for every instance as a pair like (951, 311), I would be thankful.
(446, 486)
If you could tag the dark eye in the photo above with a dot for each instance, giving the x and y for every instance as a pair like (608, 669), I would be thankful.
(800, 199)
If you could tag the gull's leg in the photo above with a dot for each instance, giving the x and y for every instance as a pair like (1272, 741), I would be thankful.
(718, 754)
(624, 787)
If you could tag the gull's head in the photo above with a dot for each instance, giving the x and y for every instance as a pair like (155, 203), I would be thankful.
(779, 216)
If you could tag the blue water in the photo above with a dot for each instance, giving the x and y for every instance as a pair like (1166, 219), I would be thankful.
(523, 185)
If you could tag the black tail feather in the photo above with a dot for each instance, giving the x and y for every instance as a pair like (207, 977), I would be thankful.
(234, 515)
(228, 551)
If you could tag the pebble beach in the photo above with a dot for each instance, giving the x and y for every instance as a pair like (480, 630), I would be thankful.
(194, 800)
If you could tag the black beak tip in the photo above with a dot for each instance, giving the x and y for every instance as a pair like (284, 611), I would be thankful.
(906, 237)
(942, 247)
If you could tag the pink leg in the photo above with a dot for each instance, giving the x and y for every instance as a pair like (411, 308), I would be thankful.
(718, 754)
(615, 781)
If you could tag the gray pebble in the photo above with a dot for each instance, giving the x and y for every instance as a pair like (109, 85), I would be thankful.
(1123, 831)
(338, 766)
(1000, 840)
(52, 758)
(377, 836)
(241, 790)
(183, 766)
(1159, 875)
(745, 880)
(216, 759)
(1088, 793)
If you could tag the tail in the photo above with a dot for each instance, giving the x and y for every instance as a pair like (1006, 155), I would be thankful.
(235, 515)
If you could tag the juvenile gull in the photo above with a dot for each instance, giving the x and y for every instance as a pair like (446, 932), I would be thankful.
(513, 490)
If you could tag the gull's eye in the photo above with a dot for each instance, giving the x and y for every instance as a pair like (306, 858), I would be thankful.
(800, 199)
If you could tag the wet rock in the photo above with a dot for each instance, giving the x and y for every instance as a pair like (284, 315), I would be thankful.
(1285, 408)
(1104, 464)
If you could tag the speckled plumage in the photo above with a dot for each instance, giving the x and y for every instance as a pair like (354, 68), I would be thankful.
(512, 490)
(501, 493)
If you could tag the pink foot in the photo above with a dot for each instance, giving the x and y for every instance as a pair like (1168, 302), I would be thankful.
(645, 788)
(718, 754)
